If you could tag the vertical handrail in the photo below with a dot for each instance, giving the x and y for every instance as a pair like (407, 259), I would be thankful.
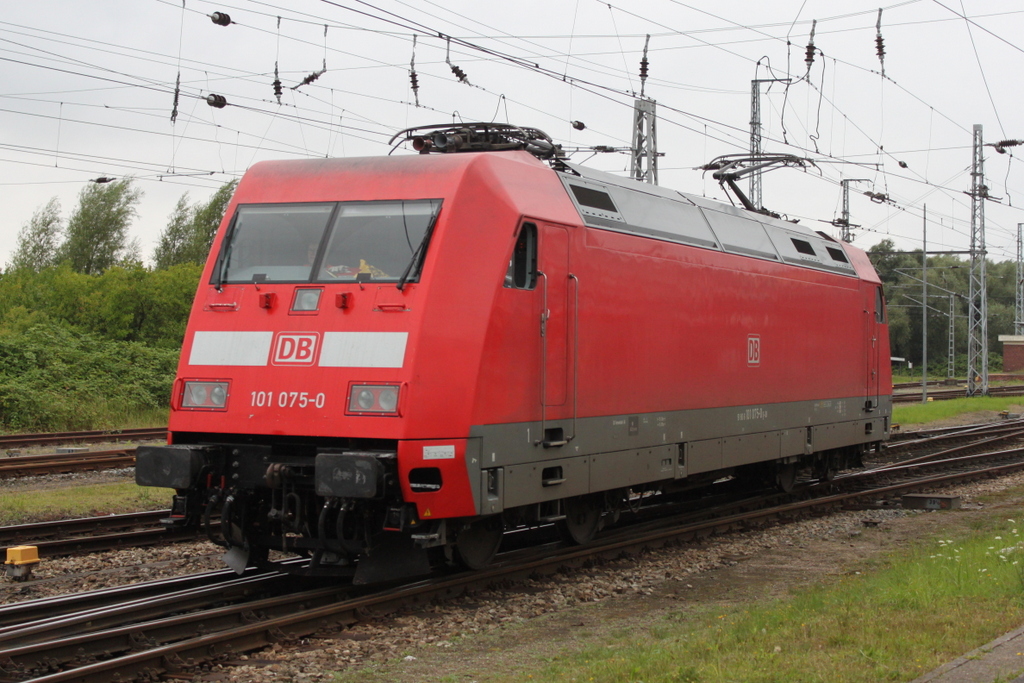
(575, 350)
(544, 315)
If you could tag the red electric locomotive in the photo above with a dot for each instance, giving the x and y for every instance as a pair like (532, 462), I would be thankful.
(392, 360)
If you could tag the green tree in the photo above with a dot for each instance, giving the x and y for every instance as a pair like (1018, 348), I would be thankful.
(887, 261)
(175, 239)
(97, 232)
(208, 217)
(39, 239)
(191, 228)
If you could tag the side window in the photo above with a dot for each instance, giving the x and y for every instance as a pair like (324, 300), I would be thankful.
(522, 269)
(879, 305)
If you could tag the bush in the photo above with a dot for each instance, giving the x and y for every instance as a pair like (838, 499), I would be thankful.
(54, 378)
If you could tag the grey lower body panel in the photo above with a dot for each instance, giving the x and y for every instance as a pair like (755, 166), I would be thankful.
(620, 451)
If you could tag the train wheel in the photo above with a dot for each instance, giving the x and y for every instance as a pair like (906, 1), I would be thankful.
(785, 477)
(582, 519)
(478, 542)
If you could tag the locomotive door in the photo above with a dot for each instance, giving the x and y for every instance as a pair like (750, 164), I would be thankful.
(875, 314)
(553, 283)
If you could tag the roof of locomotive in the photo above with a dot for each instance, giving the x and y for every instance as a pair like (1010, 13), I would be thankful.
(626, 205)
(602, 200)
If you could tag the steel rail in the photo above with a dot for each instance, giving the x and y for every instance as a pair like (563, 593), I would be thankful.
(945, 394)
(54, 628)
(20, 533)
(993, 430)
(127, 539)
(43, 655)
(32, 610)
(94, 534)
(94, 436)
(63, 463)
(919, 434)
(941, 456)
(180, 655)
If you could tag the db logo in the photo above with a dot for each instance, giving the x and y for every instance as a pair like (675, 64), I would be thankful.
(295, 349)
(754, 349)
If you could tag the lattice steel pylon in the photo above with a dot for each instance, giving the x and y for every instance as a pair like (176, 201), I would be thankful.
(645, 131)
(645, 141)
(755, 135)
(843, 222)
(951, 355)
(1018, 310)
(755, 140)
(977, 314)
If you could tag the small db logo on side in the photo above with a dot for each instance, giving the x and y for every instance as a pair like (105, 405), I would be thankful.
(295, 349)
(753, 349)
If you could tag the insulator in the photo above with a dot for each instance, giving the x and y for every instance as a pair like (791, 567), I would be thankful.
(459, 73)
(643, 69)
(177, 93)
(102, 179)
(579, 125)
(809, 53)
(902, 164)
(277, 79)
(220, 18)
(880, 47)
(310, 78)
(415, 81)
(217, 101)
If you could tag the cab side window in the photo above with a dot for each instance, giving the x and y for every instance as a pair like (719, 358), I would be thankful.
(879, 305)
(522, 269)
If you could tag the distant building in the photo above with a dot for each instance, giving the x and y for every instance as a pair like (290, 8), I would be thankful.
(1013, 352)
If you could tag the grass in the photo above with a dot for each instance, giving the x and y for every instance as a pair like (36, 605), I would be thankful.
(919, 413)
(80, 501)
(893, 620)
(141, 418)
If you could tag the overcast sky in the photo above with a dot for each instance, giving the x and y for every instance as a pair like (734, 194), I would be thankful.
(88, 90)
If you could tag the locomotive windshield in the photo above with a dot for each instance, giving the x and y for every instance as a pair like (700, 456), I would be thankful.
(346, 241)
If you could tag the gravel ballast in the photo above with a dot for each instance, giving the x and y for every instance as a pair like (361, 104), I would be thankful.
(515, 628)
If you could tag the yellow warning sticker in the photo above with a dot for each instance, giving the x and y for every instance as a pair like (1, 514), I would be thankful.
(426, 513)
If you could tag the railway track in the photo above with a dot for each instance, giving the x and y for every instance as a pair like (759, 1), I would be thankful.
(64, 463)
(158, 643)
(93, 534)
(931, 437)
(96, 436)
(946, 394)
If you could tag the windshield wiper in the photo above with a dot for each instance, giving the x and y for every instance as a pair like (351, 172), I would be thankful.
(417, 255)
(221, 268)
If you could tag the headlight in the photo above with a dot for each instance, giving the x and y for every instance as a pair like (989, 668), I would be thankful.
(205, 395)
(197, 394)
(388, 399)
(306, 300)
(365, 399)
(378, 399)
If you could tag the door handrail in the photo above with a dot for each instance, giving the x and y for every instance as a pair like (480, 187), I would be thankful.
(575, 350)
